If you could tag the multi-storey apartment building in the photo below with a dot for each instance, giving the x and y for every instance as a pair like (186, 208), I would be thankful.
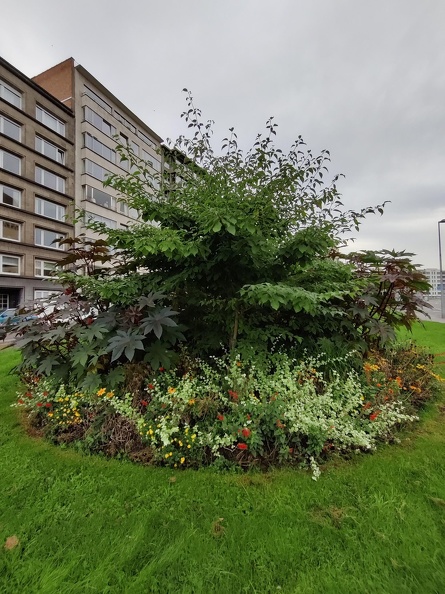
(433, 276)
(36, 185)
(101, 121)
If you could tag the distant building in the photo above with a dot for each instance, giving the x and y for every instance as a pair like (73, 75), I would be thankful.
(433, 276)
(37, 185)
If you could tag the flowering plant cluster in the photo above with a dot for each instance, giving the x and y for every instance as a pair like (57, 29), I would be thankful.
(281, 410)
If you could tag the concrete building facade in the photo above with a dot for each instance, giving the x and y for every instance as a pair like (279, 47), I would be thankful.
(37, 185)
(101, 122)
(433, 276)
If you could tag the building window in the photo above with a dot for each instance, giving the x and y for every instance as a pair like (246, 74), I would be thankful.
(44, 268)
(49, 209)
(4, 301)
(134, 148)
(98, 147)
(47, 238)
(9, 264)
(91, 217)
(10, 196)
(99, 197)
(98, 122)
(120, 118)
(145, 138)
(49, 120)
(10, 94)
(95, 170)
(50, 179)
(123, 207)
(39, 294)
(9, 230)
(50, 150)
(10, 162)
(10, 128)
(92, 95)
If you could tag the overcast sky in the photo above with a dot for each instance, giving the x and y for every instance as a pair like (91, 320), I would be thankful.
(364, 79)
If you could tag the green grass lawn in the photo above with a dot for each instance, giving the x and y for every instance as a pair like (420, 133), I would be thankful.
(375, 523)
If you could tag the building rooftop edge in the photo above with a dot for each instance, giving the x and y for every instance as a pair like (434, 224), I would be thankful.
(35, 86)
(119, 103)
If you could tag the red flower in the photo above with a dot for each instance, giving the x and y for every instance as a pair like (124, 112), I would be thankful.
(220, 417)
(39, 404)
(248, 417)
(279, 424)
(367, 405)
(45, 393)
(28, 395)
(374, 415)
(48, 405)
(89, 321)
(233, 394)
(246, 432)
(151, 387)
(161, 369)
(68, 291)
(20, 401)
(144, 403)
(242, 446)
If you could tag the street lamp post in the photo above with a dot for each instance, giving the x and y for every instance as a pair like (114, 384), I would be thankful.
(442, 292)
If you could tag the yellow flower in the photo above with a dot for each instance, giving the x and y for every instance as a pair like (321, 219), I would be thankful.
(238, 363)
(166, 456)
(50, 414)
(180, 443)
(101, 392)
(192, 401)
(182, 460)
(189, 446)
(171, 390)
(194, 436)
(110, 394)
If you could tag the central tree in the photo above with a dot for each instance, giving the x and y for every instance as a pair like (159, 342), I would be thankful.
(245, 244)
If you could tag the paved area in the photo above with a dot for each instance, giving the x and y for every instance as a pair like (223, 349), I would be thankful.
(9, 341)
(434, 313)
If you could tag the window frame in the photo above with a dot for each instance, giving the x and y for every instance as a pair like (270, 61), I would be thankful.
(43, 262)
(42, 201)
(4, 118)
(19, 264)
(51, 246)
(19, 228)
(19, 159)
(2, 186)
(101, 198)
(106, 173)
(48, 172)
(13, 91)
(97, 218)
(59, 127)
(99, 148)
(59, 152)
